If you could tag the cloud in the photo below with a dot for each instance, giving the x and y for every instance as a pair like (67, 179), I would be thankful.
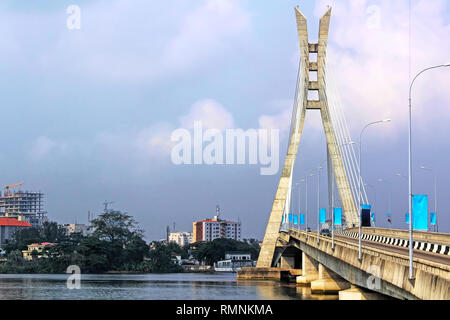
(44, 146)
(281, 117)
(211, 113)
(280, 121)
(204, 31)
(369, 53)
(124, 40)
(154, 141)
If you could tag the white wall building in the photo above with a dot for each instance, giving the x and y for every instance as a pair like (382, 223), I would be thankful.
(180, 238)
(76, 228)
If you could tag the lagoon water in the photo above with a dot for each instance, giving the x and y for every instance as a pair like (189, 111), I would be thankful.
(190, 286)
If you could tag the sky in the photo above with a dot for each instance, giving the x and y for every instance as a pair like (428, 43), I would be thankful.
(88, 113)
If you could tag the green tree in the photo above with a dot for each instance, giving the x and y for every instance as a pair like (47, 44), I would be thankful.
(115, 226)
(161, 258)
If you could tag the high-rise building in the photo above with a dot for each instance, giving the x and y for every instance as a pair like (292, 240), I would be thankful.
(180, 238)
(210, 229)
(23, 205)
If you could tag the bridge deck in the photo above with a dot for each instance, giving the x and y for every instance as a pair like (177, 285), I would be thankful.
(387, 262)
(429, 256)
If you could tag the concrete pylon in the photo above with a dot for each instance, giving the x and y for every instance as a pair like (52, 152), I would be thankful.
(298, 118)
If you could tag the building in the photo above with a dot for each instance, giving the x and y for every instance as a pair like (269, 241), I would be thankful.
(180, 238)
(234, 261)
(38, 247)
(23, 205)
(8, 226)
(210, 229)
(76, 228)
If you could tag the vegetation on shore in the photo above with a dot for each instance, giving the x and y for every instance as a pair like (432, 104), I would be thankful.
(115, 244)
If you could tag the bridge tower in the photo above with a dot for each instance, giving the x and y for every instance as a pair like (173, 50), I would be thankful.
(335, 162)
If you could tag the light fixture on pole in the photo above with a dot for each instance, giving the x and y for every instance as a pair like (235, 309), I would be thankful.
(410, 192)
(359, 184)
(435, 190)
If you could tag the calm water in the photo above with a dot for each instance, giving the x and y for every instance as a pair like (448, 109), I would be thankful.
(149, 286)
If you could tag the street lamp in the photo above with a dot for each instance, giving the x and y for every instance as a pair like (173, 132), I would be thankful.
(318, 202)
(435, 191)
(390, 194)
(359, 183)
(299, 209)
(410, 195)
(306, 202)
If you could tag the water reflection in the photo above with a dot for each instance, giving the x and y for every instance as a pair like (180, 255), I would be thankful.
(150, 286)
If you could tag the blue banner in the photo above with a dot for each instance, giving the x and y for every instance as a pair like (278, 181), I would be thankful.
(338, 216)
(366, 206)
(420, 212)
(295, 219)
(322, 215)
(407, 217)
(433, 218)
(372, 215)
(290, 217)
(302, 219)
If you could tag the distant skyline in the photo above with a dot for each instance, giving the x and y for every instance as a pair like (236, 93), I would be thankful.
(88, 114)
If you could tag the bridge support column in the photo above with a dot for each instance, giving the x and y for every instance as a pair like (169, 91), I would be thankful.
(328, 282)
(287, 262)
(357, 293)
(310, 270)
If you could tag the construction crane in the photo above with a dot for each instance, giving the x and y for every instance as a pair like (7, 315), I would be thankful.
(11, 186)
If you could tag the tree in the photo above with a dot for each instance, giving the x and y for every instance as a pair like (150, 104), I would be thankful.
(51, 232)
(115, 226)
(115, 244)
(161, 258)
(22, 238)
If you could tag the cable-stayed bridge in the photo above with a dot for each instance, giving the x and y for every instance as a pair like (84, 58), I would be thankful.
(366, 262)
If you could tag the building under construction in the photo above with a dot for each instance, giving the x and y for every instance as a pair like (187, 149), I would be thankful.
(22, 205)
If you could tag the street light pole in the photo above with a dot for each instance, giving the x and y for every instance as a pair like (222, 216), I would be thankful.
(410, 195)
(359, 185)
(318, 202)
(332, 209)
(435, 190)
(306, 202)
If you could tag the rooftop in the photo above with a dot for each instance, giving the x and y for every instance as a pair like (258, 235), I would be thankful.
(11, 222)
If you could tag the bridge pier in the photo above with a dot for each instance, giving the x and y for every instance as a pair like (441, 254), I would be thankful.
(310, 270)
(328, 282)
(287, 262)
(357, 293)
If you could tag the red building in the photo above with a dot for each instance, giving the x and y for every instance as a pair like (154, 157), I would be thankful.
(8, 226)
